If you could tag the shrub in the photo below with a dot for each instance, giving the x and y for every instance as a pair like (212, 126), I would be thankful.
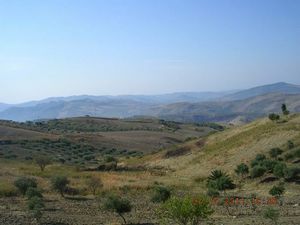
(274, 116)
(7, 190)
(258, 171)
(277, 191)
(94, 184)
(269, 164)
(220, 181)
(212, 192)
(258, 160)
(161, 194)
(118, 205)
(290, 144)
(59, 184)
(279, 170)
(186, 210)
(24, 183)
(242, 169)
(291, 173)
(33, 192)
(35, 205)
(43, 161)
(271, 214)
(275, 152)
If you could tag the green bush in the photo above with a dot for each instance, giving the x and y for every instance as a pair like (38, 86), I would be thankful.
(275, 152)
(59, 184)
(24, 183)
(35, 203)
(118, 205)
(257, 171)
(161, 194)
(187, 210)
(213, 192)
(277, 191)
(290, 144)
(279, 170)
(291, 173)
(274, 116)
(33, 192)
(220, 181)
(242, 169)
(258, 160)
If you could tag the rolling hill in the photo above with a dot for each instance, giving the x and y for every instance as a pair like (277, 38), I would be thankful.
(243, 105)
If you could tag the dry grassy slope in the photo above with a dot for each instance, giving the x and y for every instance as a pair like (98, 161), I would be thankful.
(227, 149)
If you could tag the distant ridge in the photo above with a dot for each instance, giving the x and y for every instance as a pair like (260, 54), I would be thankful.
(280, 87)
(186, 106)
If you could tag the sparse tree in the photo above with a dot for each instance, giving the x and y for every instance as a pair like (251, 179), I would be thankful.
(59, 184)
(94, 184)
(118, 205)
(43, 161)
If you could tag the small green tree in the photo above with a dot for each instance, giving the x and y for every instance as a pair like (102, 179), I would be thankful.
(275, 152)
(94, 184)
(187, 210)
(118, 205)
(43, 161)
(284, 110)
(59, 184)
(271, 214)
(24, 183)
(161, 194)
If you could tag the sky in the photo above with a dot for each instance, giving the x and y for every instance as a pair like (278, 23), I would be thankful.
(111, 47)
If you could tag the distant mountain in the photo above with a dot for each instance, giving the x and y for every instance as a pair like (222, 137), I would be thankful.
(4, 106)
(186, 106)
(280, 87)
(226, 111)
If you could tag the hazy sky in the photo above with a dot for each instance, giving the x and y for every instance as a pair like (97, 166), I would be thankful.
(73, 47)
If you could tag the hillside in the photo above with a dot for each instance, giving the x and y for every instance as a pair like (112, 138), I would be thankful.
(88, 140)
(227, 149)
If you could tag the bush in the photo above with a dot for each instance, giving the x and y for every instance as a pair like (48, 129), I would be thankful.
(275, 152)
(258, 160)
(161, 194)
(242, 169)
(24, 183)
(258, 171)
(271, 214)
(291, 173)
(59, 184)
(269, 164)
(279, 170)
(7, 190)
(277, 191)
(33, 192)
(274, 116)
(186, 210)
(212, 192)
(118, 205)
(35, 203)
(290, 144)
(220, 181)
